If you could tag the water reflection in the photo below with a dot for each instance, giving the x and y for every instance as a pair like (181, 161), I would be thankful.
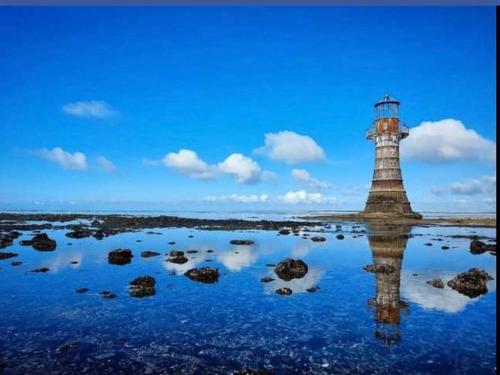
(388, 243)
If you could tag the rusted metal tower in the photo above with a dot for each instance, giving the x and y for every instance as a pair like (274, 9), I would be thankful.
(387, 195)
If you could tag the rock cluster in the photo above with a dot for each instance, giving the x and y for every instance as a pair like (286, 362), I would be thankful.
(479, 247)
(177, 257)
(318, 239)
(42, 242)
(149, 254)
(284, 291)
(7, 255)
(471, 283)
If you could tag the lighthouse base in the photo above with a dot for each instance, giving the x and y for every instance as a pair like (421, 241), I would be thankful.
(389, 204)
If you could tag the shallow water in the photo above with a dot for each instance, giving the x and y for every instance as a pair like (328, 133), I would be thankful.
(240, 322)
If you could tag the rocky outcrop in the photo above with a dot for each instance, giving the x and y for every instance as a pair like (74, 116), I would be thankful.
(177, 257)
(142, 286)
(289, 269)
(107, 294)
(266, 279)
(471, 283)
(4, 255)
(41, 269)
(479, 247)
(436, 283)
(120, 257)
(79, 233)
(42, 242)
(205, 275)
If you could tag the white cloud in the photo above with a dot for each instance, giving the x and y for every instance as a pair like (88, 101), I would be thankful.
(303, 176)
(484, 185)
(76, 161)
(244, 169)
(92, 109)
(446, 140)
(291, 147)
(302, 196)
(254, 198)
(105, 164)
(235, 262)
(188, 163)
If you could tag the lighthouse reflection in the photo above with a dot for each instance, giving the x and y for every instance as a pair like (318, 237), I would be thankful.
(388, 243)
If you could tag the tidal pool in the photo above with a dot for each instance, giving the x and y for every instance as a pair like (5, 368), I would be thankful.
(357, 322)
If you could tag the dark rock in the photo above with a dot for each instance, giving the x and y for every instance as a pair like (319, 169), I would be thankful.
(142, 286)
(42, 242)
(5, 240)
(176, 253)
(428, 244)
(241, 242)
(120, 256)
(313, 289)
(191, 251)
(149, 254)
(252, 372)
(270, 265)
(74, 262)
(284, 291)
(289, 269)
(266, 279)
(340, 237)
(25, 242)
(190, 236)
(95, 223)
(210, 251)
(178, 259)
(171, 243)
(444, 247)
(318, 239)
(436, 283)
(16, 263)
(284, 231)
(82, 290)
(479, 247)
(79, 233)
(42, 269)
(205, 274)
(98, 235)
(471, 283)
(107, 294)
(7, 255)
(379, 268)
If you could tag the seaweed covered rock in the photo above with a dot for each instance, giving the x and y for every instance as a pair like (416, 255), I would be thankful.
(42, 242)
(120, 256)
(7, 255)
(436, 283)
(241, 242)
(205, 275)
(149, 254)
(289, 269)
(79, 233)
(318, 239)
(284, 291)
(479, 247)
(142, 286)
(471, 283)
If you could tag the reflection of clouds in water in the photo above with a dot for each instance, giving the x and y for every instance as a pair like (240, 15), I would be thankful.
(62, 260)
(297, 285)
(236, 261)
(415, 289)
(302, 248)
(193, 261)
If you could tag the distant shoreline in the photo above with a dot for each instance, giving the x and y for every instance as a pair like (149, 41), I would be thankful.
(18, 220)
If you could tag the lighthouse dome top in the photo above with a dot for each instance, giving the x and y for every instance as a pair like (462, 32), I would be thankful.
(387, 99)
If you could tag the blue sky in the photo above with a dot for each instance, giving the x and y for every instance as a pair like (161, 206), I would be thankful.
(131, 85)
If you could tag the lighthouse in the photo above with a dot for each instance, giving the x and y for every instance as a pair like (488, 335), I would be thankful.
(387, 195)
